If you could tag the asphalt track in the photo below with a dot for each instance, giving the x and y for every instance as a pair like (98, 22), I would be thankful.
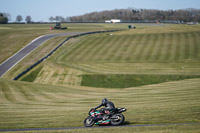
(67, 128)
(13, 60)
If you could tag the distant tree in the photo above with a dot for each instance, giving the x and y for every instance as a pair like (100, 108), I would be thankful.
(19, 18)
(51, 19)
(3, 19)
(28, 19)
(67, 19)
(7, 15)
(59, 19)
(62, 19)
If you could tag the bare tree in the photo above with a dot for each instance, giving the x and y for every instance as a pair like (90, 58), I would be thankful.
(51, 19)
(62, 19)
(28, 19)
(67, 19)
(19, 18)
(57, 18)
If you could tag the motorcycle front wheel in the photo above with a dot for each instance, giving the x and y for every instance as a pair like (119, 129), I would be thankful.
(118, 119)
(88, 122)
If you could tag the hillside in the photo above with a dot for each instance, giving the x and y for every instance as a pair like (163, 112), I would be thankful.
(164, 61)
(31, 105)
(174, 51)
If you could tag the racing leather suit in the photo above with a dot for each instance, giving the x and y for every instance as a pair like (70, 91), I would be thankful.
(108, 106)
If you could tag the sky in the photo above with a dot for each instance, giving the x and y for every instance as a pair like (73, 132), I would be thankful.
(41, 10)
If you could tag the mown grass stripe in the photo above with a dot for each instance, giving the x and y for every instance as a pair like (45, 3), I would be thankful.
(119, 52)
(100, 44)
(196, 36)
(103, 53)
(149, 46)
(71, 55)
(89, 50)
(30, 96)
(8, 93)
(154, 52)
(20, 96)
(182, 45)
(169, 44)
(101, 50)
(192, 47)
(128, 45)
(110, 52)
(149, 51)
(163, 49)
(187, 46)
(84, 49)
(115, 50)
(144, 45)
(159, 54)
(174, 44)
(68, 52)
(138, 46)
(3, 96)
(134, 41)
(178, 48)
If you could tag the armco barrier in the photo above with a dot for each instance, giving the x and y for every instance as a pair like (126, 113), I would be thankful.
(41, 60)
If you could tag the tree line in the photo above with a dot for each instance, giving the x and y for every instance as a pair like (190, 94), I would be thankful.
(125, 15)
(5, 17)
(28, 19)
(128, 15)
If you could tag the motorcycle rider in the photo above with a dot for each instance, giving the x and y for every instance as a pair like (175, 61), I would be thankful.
(109, 106)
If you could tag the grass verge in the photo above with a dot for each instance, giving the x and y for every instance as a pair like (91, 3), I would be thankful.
(31, 105)
(142, 129)
(124, 81)
(32, 75)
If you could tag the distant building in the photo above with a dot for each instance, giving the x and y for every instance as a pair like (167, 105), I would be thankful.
(108, 21)
(113, 21)
(192, 23)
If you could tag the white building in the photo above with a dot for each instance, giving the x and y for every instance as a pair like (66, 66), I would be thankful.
(113, 21)
(108, 21)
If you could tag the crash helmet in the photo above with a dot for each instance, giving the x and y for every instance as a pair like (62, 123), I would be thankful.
(104, 100)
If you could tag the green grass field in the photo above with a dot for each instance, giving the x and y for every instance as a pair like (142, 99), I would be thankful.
(163, 62)
(30, 105)
(171, 52)
(15, 36)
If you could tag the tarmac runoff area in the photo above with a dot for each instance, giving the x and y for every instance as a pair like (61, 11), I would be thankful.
(67, 128)
(13, 60)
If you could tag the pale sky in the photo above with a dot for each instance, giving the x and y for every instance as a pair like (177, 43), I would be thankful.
(41, 10)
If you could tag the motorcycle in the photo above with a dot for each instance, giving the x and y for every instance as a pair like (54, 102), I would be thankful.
(98, 117)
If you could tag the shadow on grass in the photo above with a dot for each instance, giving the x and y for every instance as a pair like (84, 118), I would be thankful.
(134, 123)
(129, 123)
(124, 124)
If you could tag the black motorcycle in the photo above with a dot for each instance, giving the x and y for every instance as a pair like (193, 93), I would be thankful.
(99, 117)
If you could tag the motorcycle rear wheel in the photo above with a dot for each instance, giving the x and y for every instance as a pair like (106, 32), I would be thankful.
(88, 122)
(119, 119)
